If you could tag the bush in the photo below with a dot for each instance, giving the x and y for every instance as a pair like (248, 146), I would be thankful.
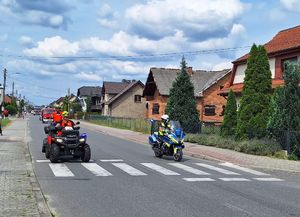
(257, 147)
(11, 109)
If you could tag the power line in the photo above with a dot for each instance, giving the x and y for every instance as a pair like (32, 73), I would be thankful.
(115, 57)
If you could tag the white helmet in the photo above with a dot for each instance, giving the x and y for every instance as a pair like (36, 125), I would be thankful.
(165, 117)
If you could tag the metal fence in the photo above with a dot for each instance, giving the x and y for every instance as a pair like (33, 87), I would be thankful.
(139, 125)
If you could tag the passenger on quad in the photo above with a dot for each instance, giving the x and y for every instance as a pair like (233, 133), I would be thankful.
(66, 122)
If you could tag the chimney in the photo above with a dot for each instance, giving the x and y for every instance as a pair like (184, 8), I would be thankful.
(189, 70)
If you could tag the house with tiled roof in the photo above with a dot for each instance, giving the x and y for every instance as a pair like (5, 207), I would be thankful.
(282, 48)
(128, 103)
(206, 88)
(95, 93)
(117, 96)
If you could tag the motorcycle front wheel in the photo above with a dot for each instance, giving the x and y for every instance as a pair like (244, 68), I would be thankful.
(178, 155)
(158, 153)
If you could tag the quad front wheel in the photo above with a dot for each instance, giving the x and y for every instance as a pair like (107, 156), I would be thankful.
(86, 156)
(54, 153)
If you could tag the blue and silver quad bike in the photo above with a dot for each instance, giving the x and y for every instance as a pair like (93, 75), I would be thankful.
(169, 144)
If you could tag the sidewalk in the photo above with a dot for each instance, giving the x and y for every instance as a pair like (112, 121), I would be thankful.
(207, 152)
(20, 192)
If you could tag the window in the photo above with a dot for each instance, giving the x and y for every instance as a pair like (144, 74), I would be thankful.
(209, 110)
(290, 60)
(137, 98)
(155, 108)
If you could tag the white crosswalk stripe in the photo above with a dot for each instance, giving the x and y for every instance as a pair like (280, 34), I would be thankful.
(129, 169)
(111, 160)
(247, 170)
(189, 169)
(268, 179)
(96, 169)
(199, 179)
(61, 170)
(234, 179)
(218, 169)
(160, 169)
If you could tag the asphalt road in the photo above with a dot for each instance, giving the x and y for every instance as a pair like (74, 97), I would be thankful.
(134, 183)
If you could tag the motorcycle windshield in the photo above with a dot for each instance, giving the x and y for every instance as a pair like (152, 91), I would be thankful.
(177, 128)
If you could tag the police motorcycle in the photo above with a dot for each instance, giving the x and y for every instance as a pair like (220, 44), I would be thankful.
(169, 144)
(65, 142)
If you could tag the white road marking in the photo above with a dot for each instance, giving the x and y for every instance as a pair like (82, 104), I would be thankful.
(268, 179)
(129, 169)
(247, 170)
(199, 179)
(189, 169)
(43, 161)
(96, 169)
(234, 179)
(218, 169)
(60, 170)
(160, 169)
(112, 160)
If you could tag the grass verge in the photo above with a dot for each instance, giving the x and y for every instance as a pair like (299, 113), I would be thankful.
(5, 122)
(263, 147)
(138, 125)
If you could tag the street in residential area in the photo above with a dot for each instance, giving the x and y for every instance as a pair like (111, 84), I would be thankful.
(125, 179)
(145, 108)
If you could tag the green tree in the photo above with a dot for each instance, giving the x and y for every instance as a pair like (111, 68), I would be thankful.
(88, 104)
(285, 107)
(65, 105)
(230, 116)
(76, 107)
(11, 109)
(182, 104)
(253, 114)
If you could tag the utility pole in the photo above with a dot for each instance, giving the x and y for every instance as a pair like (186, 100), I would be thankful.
(13, 89)
(69, 100)
(4, 84)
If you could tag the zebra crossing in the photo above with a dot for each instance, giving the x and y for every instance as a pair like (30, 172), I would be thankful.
(204, 172)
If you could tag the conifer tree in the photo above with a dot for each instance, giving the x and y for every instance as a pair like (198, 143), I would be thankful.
(230, 116)
(285, 108)
(253, 114)
(182, 104)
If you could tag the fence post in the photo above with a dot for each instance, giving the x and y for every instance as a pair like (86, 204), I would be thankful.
(288, 141)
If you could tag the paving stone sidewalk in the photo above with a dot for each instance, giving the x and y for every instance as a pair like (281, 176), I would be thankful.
(206, 152)
(20, 194)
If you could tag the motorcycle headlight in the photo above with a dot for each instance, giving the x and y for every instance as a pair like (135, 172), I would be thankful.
(82, 140)
(59, 140)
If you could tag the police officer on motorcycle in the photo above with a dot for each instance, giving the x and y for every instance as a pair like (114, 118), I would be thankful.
(164, 126)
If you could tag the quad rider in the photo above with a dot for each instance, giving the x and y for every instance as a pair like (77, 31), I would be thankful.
(66, 122)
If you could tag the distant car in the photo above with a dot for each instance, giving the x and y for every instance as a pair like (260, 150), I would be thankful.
(46, 115)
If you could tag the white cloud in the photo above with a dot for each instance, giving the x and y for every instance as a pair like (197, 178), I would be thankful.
(55, 46)
(292, 5)
(88, 76)
(48, 13)
(221, 66)
(25, 40)
(159, 18)
(107, 17)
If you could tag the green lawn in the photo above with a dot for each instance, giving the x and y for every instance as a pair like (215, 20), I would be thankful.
(5, 122)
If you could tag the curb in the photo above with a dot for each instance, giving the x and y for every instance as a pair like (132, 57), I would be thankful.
(42, 205)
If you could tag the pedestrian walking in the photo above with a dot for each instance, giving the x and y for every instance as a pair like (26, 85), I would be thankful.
(1, 125)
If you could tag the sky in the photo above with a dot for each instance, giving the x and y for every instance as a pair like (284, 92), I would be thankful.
(48, 46)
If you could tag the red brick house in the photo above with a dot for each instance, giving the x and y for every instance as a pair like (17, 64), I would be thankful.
(206, 88)
(283, 47)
